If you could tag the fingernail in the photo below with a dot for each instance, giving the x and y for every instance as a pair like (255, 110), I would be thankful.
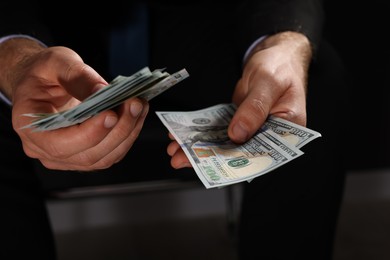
(110, 121)
(240, 132)
(135, 109)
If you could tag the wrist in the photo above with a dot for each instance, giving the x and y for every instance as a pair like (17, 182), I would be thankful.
(296, 42)
(15, 52)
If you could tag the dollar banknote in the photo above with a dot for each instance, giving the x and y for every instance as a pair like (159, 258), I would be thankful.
(144, 83)
(291, 132)
(217, 161)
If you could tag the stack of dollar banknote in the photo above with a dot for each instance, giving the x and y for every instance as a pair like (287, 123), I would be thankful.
(218, 162)
(144, 83)
(202, 134)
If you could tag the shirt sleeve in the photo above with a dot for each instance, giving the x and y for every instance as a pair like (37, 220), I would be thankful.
(12, 36)
(252, 46)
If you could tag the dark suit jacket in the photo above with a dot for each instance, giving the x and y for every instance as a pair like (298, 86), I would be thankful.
(85, 26)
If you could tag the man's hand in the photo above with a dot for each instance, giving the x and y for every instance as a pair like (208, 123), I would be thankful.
(273, 82)
(49, 80)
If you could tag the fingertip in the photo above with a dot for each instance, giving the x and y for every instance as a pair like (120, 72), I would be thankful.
(98, 87)
(172, 148)
(184, 165)
(170, 135)
(239, 132)
(136, 109)
(110, 121)
(178, 163)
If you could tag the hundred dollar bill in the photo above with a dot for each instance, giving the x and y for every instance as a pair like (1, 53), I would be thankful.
(216, 160)
(144, 83)
(293, 133)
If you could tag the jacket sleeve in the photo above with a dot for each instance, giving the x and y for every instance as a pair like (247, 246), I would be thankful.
(258, 18)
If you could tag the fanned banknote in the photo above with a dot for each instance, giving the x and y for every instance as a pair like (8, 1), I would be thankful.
(144, 83)
(218, 161)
